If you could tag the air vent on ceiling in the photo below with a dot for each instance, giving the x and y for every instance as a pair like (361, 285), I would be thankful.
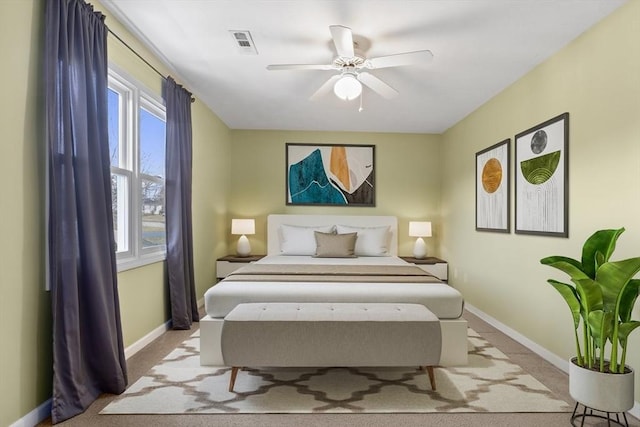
(244, 42)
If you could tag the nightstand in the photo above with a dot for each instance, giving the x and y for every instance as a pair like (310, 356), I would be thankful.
(431, 265)
(230, 263)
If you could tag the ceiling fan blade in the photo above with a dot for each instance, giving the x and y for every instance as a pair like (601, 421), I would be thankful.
(377, 85)
(326, 87)
(343, 39)
(300, 67)
(400, 59)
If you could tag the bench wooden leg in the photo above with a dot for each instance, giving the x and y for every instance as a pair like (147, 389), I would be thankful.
(432, 377)
(232, 381)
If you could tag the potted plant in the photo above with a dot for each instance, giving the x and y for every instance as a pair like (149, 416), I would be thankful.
(601, 299)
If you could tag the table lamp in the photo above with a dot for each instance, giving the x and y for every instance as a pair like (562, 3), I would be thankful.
(420, 229)
(243, 227)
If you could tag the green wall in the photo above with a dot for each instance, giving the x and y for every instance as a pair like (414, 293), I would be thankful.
(597, 80)
(25, 362)
(408, 180)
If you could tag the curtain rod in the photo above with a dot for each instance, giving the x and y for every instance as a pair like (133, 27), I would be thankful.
(141, 58)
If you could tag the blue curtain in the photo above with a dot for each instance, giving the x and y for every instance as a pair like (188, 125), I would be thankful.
(182, 291)
(88, 352)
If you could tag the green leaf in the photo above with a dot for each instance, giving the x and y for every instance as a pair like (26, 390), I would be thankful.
(567, 265)
(624, 329)
(628, 298)
(601, 326)
(590, 295)
(598, 248)
(570, 295)
(613, 277)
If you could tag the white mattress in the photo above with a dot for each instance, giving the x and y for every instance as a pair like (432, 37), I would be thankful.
(441, 299)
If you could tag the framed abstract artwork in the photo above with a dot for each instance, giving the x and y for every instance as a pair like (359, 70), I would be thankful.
(492, 188)
(541, 184)
(330, 174)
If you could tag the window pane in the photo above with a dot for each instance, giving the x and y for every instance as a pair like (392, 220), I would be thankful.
(114, 127)
(152, 144)
(153, 221)
(120, 207)
(136, 126)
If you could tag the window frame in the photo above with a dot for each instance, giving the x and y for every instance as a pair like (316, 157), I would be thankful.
(133, 96)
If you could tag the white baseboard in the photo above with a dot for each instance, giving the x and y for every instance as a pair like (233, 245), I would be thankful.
(550, 357)
(147, 339)
(34, 417)
(555, 360)
(43, 411)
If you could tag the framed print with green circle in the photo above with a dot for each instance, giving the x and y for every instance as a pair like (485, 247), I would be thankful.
(541, 178)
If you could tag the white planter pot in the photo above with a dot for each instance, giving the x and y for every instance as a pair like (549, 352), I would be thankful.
(601, 391)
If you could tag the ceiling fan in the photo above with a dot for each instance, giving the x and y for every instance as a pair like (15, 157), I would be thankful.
(352, 67)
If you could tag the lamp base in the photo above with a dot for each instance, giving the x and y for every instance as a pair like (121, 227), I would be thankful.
(420, 248)
(244, 247)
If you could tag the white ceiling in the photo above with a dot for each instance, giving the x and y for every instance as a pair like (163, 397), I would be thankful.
(480, 47)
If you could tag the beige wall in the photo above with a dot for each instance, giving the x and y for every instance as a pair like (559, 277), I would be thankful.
(597, 80)
(25, 315)
(407, 178)
(25, 362)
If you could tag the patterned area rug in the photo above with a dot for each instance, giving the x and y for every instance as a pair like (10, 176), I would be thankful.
(490, 383)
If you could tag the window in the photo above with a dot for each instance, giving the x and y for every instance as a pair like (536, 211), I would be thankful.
(137, 123)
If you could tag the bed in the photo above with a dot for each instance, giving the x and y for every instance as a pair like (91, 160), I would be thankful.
(368, 271)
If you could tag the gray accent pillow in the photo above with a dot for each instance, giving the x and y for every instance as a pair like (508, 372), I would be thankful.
(329, 245)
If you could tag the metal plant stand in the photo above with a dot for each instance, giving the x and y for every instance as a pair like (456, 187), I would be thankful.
(589, 412)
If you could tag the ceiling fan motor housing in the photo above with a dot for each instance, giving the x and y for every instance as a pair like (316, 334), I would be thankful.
(354, 62)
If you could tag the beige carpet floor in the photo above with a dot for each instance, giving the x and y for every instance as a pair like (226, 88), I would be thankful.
(141, 363)
(490, 382)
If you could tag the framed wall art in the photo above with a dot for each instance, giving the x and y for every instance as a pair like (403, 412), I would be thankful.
(330, 174)
(541, 184)
(492, 188)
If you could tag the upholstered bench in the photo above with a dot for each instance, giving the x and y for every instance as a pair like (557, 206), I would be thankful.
(331, 334)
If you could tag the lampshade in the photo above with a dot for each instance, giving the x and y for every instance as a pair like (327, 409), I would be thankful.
(419, 228)
(243, 226)
(348, 87)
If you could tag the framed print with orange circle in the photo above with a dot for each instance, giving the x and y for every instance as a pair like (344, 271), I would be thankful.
(492, 188)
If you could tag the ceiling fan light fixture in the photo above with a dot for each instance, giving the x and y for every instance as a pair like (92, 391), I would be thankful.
(348, 87)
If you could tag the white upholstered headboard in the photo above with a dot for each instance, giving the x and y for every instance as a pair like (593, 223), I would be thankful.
(275, 221)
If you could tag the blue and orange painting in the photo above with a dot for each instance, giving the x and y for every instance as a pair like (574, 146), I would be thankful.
(330, 175)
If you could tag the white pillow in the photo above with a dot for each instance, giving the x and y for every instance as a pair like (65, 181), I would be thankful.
(298, 240)
(371, 241)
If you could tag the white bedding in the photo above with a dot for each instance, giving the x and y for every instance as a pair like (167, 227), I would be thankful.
(364, 260)
(443, 300)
